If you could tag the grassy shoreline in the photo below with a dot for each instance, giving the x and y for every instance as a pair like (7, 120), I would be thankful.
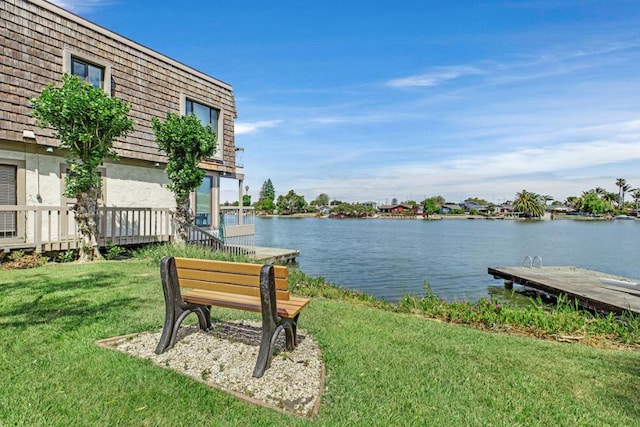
(384, 366)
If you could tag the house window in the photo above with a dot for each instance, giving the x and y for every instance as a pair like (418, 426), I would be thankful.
(8, 197)
(94, 70)
(203, 203)
(207, 116)
(94, 74)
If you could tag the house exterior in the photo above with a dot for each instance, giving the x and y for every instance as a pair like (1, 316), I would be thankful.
(40, 43)
(398, 209)
(449, 208)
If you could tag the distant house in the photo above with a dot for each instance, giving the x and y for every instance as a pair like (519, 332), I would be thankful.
(397, 209)
(473, 206)
(504, 208)
(449, 208)
(39, 43)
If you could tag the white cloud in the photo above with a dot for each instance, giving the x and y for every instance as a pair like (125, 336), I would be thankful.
(80, 6)
(436, 77)
(247, 128)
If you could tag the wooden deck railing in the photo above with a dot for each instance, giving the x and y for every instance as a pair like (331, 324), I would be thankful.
(53, 228)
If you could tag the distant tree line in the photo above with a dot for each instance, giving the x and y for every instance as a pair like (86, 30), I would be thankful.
(528, 204)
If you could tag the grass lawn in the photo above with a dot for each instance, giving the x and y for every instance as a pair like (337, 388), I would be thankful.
(382, 368)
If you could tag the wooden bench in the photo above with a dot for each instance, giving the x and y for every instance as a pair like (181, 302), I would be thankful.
(194, 285)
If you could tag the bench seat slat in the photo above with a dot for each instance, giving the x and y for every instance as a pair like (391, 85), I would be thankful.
(228, 267)
(225, 272)
(229, 277)
(287, 309)
(229, 288)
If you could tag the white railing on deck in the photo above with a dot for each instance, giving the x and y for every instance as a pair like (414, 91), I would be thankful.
(239, 227)
(53, 228)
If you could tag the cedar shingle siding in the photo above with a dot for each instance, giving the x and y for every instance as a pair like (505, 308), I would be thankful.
(34, 36)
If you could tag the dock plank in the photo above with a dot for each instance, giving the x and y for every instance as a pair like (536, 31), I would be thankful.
(577, 283)
(279, 255)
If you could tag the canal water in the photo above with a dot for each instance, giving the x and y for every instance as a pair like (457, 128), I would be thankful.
(390, 257)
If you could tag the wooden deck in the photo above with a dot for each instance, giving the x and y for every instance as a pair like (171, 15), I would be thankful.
(270, 255)
(577, 283)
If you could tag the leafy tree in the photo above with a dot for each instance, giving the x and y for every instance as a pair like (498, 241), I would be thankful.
(353, 210)
(609, 199)
(186, 142)
(321, 200)
(394, 201)
(86, 121)
(291, 203)
(635, 193)
(529, 204)
(438, 200)
(592, 203)
(429, 206)
(246, 200)
(266, 197)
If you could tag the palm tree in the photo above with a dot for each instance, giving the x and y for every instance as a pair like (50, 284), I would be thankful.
(600, 191)
(547, 198)
(610, 198)
(635, 193)
(529, 204)
(623, 187)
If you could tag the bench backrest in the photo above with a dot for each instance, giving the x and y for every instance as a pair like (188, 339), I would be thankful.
(231, 277)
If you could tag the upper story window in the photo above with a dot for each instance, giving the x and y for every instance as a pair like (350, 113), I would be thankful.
(207, 116)
(94, 70)
(94, 74)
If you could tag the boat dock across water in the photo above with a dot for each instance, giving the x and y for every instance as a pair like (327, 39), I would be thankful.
(593, 290)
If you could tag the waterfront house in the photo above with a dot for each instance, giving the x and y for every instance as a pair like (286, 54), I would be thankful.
(40, 42)
(449, 208)
(397, 209)
(469, 206)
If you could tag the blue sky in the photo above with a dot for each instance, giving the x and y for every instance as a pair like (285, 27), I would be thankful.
(375, 100)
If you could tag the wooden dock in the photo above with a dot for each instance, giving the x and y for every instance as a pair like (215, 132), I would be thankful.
(276, 255)
(577, 283)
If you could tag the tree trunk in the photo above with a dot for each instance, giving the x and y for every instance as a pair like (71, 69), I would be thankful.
(182, 218)
(86, 213)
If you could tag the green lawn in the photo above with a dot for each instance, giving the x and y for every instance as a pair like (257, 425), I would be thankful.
(382, 368)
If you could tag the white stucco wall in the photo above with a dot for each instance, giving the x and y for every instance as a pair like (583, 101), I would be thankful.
(126, 185)
(135, 186)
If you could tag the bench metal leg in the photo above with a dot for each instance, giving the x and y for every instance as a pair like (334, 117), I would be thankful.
(175, 309)
(173, 321)
(291, 333)
(267, 344)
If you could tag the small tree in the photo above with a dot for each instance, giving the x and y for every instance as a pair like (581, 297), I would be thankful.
(429, 207)
(291, 203)
(186, 142)
(266, 197)
(86, 121)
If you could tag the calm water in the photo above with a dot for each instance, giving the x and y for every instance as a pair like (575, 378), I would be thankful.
(388, 258)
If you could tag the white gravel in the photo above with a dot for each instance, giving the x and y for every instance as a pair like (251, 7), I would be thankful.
(225, 357)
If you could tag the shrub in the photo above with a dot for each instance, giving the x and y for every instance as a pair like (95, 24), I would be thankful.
(113, 251)
(20, 260)
(67, 256)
